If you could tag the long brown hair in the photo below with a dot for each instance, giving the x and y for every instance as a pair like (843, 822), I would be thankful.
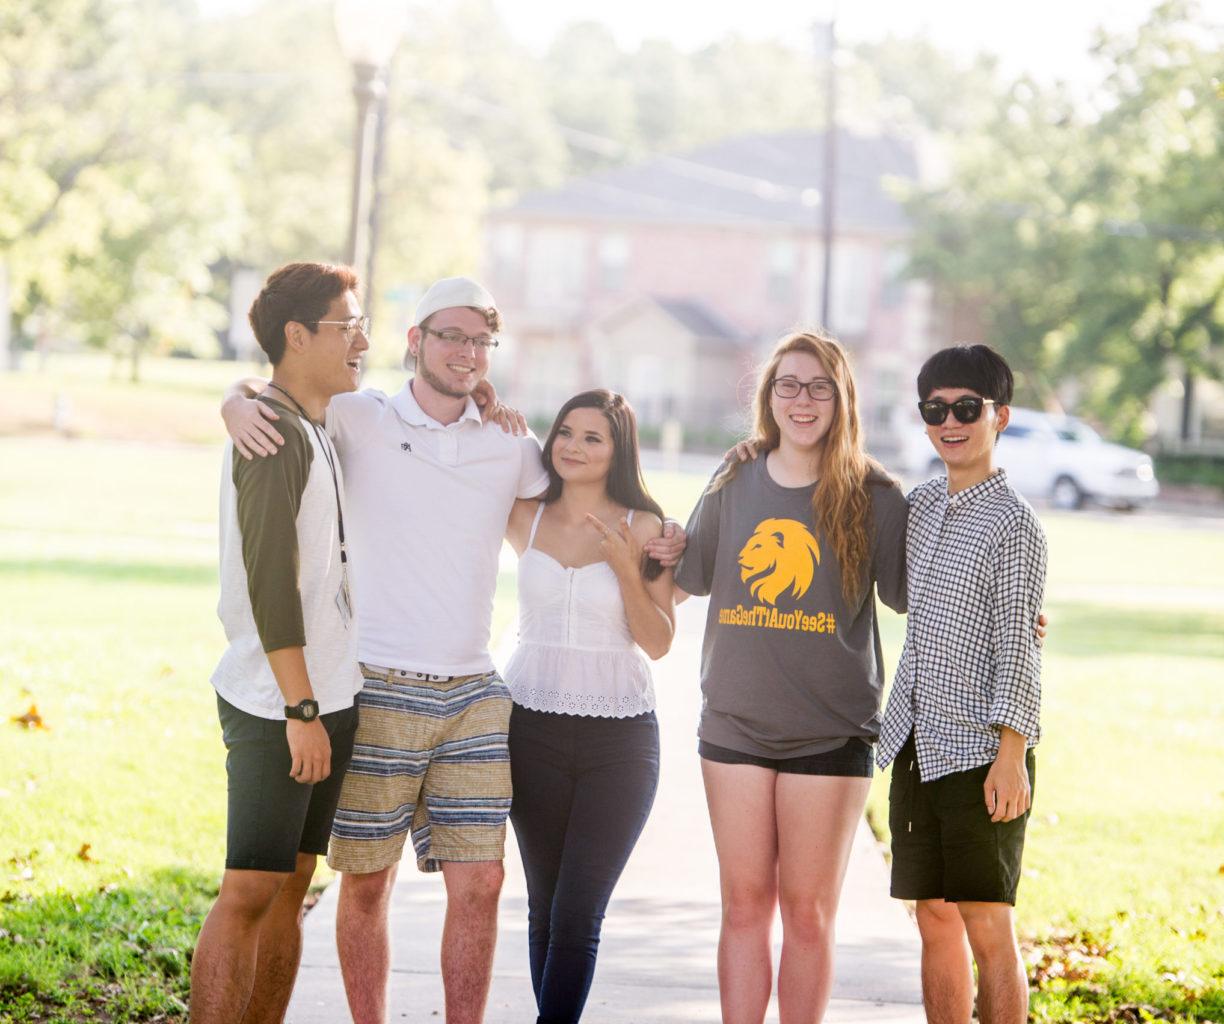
(625, 484)
(841, 504)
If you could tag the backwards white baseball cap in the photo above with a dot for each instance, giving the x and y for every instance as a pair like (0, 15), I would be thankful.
(449, 293)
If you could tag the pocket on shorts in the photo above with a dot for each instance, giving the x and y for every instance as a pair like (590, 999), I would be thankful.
(962, 808)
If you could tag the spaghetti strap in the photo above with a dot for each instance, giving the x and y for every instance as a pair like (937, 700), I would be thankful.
(629, 517)
(535, 523)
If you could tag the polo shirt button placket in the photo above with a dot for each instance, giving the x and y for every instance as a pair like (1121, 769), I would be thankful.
(449, 448)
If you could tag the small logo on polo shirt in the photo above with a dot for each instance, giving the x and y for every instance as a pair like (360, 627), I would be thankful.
(405, 446)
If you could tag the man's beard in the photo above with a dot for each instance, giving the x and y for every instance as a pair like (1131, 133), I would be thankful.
(439, 385)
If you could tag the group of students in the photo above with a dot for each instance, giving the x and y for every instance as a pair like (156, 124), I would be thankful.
(360, 707)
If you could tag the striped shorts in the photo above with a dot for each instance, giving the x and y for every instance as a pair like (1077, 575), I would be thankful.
(430, 757)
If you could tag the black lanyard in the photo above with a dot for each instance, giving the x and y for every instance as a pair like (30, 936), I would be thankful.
(326, 445)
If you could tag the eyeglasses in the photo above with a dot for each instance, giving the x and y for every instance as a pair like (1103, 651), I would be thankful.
(819, 390)
(350, 326)
(966, 410)
(482, 342)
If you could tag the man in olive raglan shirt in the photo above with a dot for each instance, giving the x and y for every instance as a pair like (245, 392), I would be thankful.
(287, 682)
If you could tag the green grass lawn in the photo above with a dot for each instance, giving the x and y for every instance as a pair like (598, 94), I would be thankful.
(112, 818)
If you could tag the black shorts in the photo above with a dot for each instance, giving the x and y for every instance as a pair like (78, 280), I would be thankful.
(852, 759)
(271, 817)
(944, 845)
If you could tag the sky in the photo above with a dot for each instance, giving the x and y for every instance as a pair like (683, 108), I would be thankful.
(1048, 39)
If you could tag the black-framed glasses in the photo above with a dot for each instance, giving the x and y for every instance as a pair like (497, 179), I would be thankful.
(350, 326)
(966, 410)
(819, 390)
(482, 342)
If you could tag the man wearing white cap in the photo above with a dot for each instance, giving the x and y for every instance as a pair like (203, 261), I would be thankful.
(430, 489)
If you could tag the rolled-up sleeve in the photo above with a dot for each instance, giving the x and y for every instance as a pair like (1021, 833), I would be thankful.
(695, 573)
(1018, 591)
(890, 510)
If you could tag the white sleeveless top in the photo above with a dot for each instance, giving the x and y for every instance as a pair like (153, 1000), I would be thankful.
(575, 654)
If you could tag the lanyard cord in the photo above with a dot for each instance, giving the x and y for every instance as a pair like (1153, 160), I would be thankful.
(325, 444)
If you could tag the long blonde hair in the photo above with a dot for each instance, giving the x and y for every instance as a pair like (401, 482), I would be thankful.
(841, 504)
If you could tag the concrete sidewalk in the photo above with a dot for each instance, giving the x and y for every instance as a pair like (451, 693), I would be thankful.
(657, 957)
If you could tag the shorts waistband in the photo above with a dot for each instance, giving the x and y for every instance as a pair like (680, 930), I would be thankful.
(390, 674)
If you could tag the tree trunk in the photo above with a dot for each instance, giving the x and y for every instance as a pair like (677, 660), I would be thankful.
(1187, 412)
(134, 364)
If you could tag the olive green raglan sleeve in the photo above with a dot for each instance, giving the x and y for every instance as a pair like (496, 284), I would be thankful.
(269, 496)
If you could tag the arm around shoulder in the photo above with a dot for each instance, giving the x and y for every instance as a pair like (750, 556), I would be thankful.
(652, 611)
(890, 512)
(248, 421)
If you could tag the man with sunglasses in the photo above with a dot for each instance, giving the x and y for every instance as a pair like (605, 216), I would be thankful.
(963, 713)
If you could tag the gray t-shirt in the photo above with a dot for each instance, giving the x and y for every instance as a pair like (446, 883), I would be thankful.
(788, 669)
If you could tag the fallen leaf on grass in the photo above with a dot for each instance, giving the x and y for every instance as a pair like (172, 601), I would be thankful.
(1066, 956)
(83, 852)
(31, 719)
(1133, 1013)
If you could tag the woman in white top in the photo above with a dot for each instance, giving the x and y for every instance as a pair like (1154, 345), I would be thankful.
(584, 742)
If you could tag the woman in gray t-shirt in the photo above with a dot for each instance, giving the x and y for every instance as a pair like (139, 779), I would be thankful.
(789, 547)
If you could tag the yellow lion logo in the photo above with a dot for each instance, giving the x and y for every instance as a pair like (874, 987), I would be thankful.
(781, 553)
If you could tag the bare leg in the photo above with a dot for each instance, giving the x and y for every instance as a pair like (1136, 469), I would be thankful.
(223, 967)
(280, 948)
(1002, 982)
(817, 818)
(947, 964)
(363, 940)
(468, 937)
(741, 802)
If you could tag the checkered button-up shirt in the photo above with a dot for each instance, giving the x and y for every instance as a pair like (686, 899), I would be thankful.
(976, 564)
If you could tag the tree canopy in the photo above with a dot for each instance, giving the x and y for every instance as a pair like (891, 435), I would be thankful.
(146, 150)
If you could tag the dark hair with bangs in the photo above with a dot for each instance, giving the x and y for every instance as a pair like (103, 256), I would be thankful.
(977, 367)
(298, 293)
(625, 483)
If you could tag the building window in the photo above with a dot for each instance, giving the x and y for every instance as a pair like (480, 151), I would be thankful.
(504, 255)
(892, 295)
(556, 268)
(613, 262)
(783, 262)
(852, 273)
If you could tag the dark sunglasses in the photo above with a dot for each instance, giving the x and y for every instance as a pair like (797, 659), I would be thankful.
(966, 410)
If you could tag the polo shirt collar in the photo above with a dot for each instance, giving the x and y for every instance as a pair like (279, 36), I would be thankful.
(997, 481)
(405, 404)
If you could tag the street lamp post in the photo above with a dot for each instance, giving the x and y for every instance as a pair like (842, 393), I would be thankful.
(828, 45)
(369, 31)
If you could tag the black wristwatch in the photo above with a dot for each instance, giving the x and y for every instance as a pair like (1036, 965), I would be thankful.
(304, 711)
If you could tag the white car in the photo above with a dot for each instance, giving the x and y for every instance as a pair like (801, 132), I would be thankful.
(1059, 459)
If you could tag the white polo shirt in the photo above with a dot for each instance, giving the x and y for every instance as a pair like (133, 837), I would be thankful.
(425, 515)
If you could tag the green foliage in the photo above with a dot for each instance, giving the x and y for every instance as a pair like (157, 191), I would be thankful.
(123, 194)
(1207, 470)
(1090, 241)
(120, 952)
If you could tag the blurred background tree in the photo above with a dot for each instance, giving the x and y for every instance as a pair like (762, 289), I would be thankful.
(148, 151)
(117, 193)
(1088, 236)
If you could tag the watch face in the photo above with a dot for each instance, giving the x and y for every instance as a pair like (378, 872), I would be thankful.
(306, 711)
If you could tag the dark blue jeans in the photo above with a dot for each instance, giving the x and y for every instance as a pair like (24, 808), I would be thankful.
(583, 788)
